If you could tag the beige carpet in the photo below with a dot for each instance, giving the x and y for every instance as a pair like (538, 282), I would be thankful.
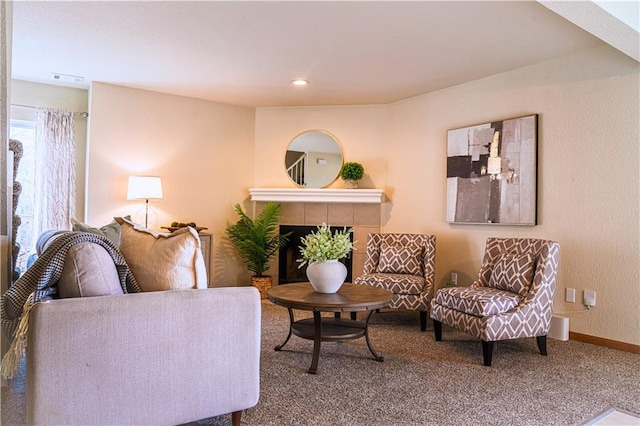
(423, 382)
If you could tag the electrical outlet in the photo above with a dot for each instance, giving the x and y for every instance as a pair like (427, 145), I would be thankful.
(454, 278)
(589, 297)
(570, 295)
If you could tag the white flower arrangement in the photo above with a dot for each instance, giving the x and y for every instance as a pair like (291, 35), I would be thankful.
(322, 245)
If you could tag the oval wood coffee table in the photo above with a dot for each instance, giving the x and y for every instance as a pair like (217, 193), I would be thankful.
(350, 298)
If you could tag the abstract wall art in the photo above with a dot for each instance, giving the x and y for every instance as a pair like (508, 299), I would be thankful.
(492, 172)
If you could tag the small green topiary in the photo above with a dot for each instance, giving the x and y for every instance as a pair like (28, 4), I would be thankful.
(352, 171)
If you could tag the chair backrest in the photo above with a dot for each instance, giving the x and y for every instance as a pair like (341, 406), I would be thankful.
(545, 255)
(427, 244)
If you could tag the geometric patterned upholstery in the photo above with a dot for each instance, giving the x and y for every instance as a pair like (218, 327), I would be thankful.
(512, 272)
(530, 317)
(413, 253)
(478, 301)
(400, 259)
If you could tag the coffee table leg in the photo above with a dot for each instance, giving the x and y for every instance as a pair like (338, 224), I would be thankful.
(366, 333)
(280, 346)
(317, 339)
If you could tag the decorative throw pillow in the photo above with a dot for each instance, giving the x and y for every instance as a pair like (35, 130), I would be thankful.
(88, 271)
(162, 261)
(400, 259)
(111, 231)
(512, 272)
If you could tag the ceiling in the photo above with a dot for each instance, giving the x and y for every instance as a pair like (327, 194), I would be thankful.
(246, 53)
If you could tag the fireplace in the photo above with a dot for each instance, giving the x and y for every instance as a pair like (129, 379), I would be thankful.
(288, 265)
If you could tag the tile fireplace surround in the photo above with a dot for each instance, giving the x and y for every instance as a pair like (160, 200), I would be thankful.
(363, 217)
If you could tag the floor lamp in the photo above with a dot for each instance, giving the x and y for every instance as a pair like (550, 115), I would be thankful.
(145, 188)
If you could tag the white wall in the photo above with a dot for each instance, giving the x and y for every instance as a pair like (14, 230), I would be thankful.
(202, 150)
(59, 97)
(588, 172)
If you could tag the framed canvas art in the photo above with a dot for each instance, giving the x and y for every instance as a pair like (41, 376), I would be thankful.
(492, 172)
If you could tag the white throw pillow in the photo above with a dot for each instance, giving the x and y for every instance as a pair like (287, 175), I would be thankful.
(162, 261)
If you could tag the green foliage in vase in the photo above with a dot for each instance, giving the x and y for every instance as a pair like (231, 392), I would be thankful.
(322, 245)
(257, 241)
(352, 171)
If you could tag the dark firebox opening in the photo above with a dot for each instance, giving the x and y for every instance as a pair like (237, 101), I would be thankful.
(288, 265)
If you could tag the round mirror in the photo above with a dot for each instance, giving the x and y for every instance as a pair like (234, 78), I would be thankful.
(313, 159)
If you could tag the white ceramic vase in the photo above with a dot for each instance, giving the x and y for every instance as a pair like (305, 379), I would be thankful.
(326, 276)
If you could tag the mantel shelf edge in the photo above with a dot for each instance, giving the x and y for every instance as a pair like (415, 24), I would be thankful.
(313, 195)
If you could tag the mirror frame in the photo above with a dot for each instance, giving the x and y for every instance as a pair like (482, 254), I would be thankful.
(327, 180)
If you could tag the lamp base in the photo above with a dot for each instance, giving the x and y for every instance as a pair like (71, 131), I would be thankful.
(146, 217)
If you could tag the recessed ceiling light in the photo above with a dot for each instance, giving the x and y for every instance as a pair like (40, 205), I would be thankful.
(299, 82)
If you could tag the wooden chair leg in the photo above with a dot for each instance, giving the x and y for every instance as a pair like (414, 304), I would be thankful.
(542, 344)
(437, 330)
(235, 418)
(487, 352)
(423, 320)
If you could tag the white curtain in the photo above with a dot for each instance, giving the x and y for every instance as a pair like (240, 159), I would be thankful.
(55, 179)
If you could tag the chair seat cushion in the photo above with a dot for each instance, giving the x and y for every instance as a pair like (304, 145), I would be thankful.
(478, 301)
(395, 283)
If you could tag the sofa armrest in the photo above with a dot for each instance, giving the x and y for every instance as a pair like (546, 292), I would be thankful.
(147, 358)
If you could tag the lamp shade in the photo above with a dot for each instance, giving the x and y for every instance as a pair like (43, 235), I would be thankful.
(144, 188)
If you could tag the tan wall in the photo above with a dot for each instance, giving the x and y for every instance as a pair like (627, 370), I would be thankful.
(58, 97)
(588, 172)
(202, 150)
(361, 132)
(588, 176)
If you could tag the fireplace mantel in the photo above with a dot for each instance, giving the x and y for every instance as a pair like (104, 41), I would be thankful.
(313, 195)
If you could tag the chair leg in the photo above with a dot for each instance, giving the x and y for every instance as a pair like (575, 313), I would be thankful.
(235, 418)
(542, 344)
(437, 330)
(487, 352)
(423, 320)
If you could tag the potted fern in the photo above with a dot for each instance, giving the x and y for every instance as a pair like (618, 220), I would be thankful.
(351, 173)
(257, 241)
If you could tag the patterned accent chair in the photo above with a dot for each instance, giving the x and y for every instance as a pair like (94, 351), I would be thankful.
(512, 297)
(405, 265)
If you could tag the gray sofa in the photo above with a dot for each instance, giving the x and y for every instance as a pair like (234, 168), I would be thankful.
(153, 358)
(103, 353)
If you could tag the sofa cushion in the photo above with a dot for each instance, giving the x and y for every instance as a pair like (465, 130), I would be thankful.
(111, 230)
(477, 301)
(163, 261)
(512, 272)
(395, 259)
(88, 271)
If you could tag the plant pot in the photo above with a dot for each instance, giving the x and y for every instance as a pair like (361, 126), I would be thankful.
(326, 276)
(263, 284)
(351, 184)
